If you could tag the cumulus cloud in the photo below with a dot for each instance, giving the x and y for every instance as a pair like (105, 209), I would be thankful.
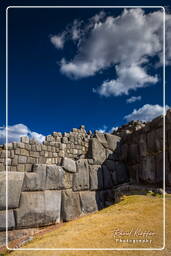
(18, 130)
(126, 43)
(58, 41)
(133, 99)
(129, 78)
(103, 129)
(146, 113)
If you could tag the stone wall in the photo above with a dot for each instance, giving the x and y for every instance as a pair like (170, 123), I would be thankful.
(76, 173)
(142, 151)
(22, 155)
(51, 193)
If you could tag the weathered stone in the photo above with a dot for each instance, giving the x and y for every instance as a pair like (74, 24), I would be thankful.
(107, 178)
(96, 177)
(112, 141)
(70, 205)
(96, 151)
(88, 201)
(134, 171)
(147, 172)
(133, 153)
(38, 209)
(101, 138)
(22, 159)
(69, 164)
(81, 177)
(57, 178)
(35, 180)
(24, 139)
(143, 145)
(11, 220)
(155, 140)
(121, 172)
(15, 182)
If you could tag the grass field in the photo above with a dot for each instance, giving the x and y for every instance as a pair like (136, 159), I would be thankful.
(97, 230)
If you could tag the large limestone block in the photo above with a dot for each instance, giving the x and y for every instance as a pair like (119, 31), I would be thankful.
(107, 178)
(96, 151)
(70, 205)
(104, 198)
(57, 178)
(147, 172)
(15, 182)
(112, 141)
(121, 172)
(88, 201)
(96, 177)
(81, 177)
(155, 140)
(68, 164)
(35, 181)
(38, 209)
(143, 145)
(101, 138)
(133, 153)
(11, 220)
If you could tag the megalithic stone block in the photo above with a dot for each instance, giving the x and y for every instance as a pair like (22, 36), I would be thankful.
(15, 182)
(38, 209)
(81, 177)
(11, 220)
(71, 207)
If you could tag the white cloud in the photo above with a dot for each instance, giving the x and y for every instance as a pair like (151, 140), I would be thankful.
(18, 130)
(146, 113)
(125, 42)
(129, 78)
(113, 129)
(58, 41)
(103, 129)
(37, 136)
(133, 99)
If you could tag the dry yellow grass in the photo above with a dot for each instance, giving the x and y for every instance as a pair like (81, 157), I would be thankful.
(96, 230)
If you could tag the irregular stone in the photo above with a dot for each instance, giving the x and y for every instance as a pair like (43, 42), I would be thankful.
(133, 153)
(112, 141)
(147, 172)
(70, 205)
(107, 178)
(121, 172)
(96, 151)
(88, 201)
(22, 159)
(143, 145)
(15, 182)
(101, 138)
(11, 220)
(68, 164)
(155, 140)
(134, 171)
(81, 177)
(96, 177)
(24, 139)
(57, 178)
(159, 168)
(38, 209)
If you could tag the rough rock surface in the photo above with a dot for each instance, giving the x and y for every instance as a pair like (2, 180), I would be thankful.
(81, 177)
(88, 201)
(15, 182)
(38, 209)
(71, 207)
(11, 220)
(69, 164)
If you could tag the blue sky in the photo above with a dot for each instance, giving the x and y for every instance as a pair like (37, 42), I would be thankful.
(69, 67)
